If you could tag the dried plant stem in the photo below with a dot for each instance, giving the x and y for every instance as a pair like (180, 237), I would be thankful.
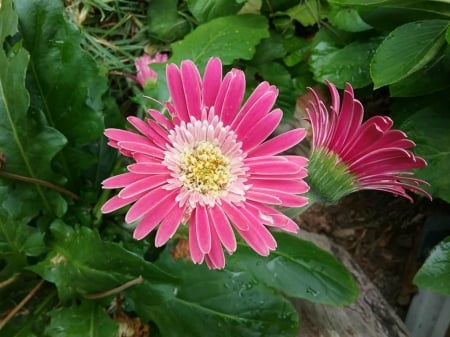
(8, 281)
(16, 309)
(40, 182)
(116, 290)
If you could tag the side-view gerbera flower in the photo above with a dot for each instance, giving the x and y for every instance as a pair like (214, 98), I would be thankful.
(143, 71)
(210, 166)
(349, 154)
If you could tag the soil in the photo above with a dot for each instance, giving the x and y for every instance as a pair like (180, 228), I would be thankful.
(383, 233)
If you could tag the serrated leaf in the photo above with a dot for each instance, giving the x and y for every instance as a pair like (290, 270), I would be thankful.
(230, 38)
(218, 303)
(342, 65)
(88, 319)
(65, 81)
(205, 10)
(299, 269)
(428, 128)
(27, 142)
(407, 49)
(80, 263)
(435, 272)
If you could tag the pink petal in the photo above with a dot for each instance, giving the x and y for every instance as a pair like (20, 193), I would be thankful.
(151, 220)
(149, 201)
(192, 88)
(212, 79)
(261, 130)
(176, 89)
(196, 254)
(203, 229)
(235, 215)
(116, 202)
(279, 143)
(223, 228)
(121, 180)
(143, 185)
(215, 258)
(230, 95)
(148, 168)
(169, 225)
(142, 148)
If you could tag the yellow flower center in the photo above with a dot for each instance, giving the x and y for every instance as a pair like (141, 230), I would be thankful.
(205, 169)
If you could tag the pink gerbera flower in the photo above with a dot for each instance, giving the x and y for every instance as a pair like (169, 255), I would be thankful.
(210, 166)
(143, 71)
(349, 154)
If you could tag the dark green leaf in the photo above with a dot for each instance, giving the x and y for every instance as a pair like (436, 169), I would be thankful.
(164, 22)
(407, 49)
(428, 128)
(27, 142)
(447, 35)
(347, 19)
(17, 241)
(277, 74)
(431, 78)
(341, 65)
(230, 38)
(357, 2)
(435, 272)
(218, 303)
(299, 269)
(307, 12)
(88, 319)
(205, 10)
(65, 81)
(81, 263)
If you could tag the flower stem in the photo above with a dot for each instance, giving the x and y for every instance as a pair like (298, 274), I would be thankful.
(40, 182)
(116, 290)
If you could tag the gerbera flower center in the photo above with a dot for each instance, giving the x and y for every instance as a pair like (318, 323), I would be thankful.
(205, 169)
(206, 163)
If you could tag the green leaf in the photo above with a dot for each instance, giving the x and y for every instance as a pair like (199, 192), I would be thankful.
(218, 303)
(27, 142)
(347, 19)
(65, 81)
(230, 38)
(407, 49)
(307, 12)
(428, 128)
(341, 65)
(206, 10)
(433, 77)
(17, 242)
(81, 263)
(447, 35)
(435, 272)
(88, 319)
(277, 74)
(357, 2)
(168, 27)
(299, 269)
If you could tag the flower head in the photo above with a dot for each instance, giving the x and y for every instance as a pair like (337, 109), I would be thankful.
(143, 71)
(210, 165)
(349, 154)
